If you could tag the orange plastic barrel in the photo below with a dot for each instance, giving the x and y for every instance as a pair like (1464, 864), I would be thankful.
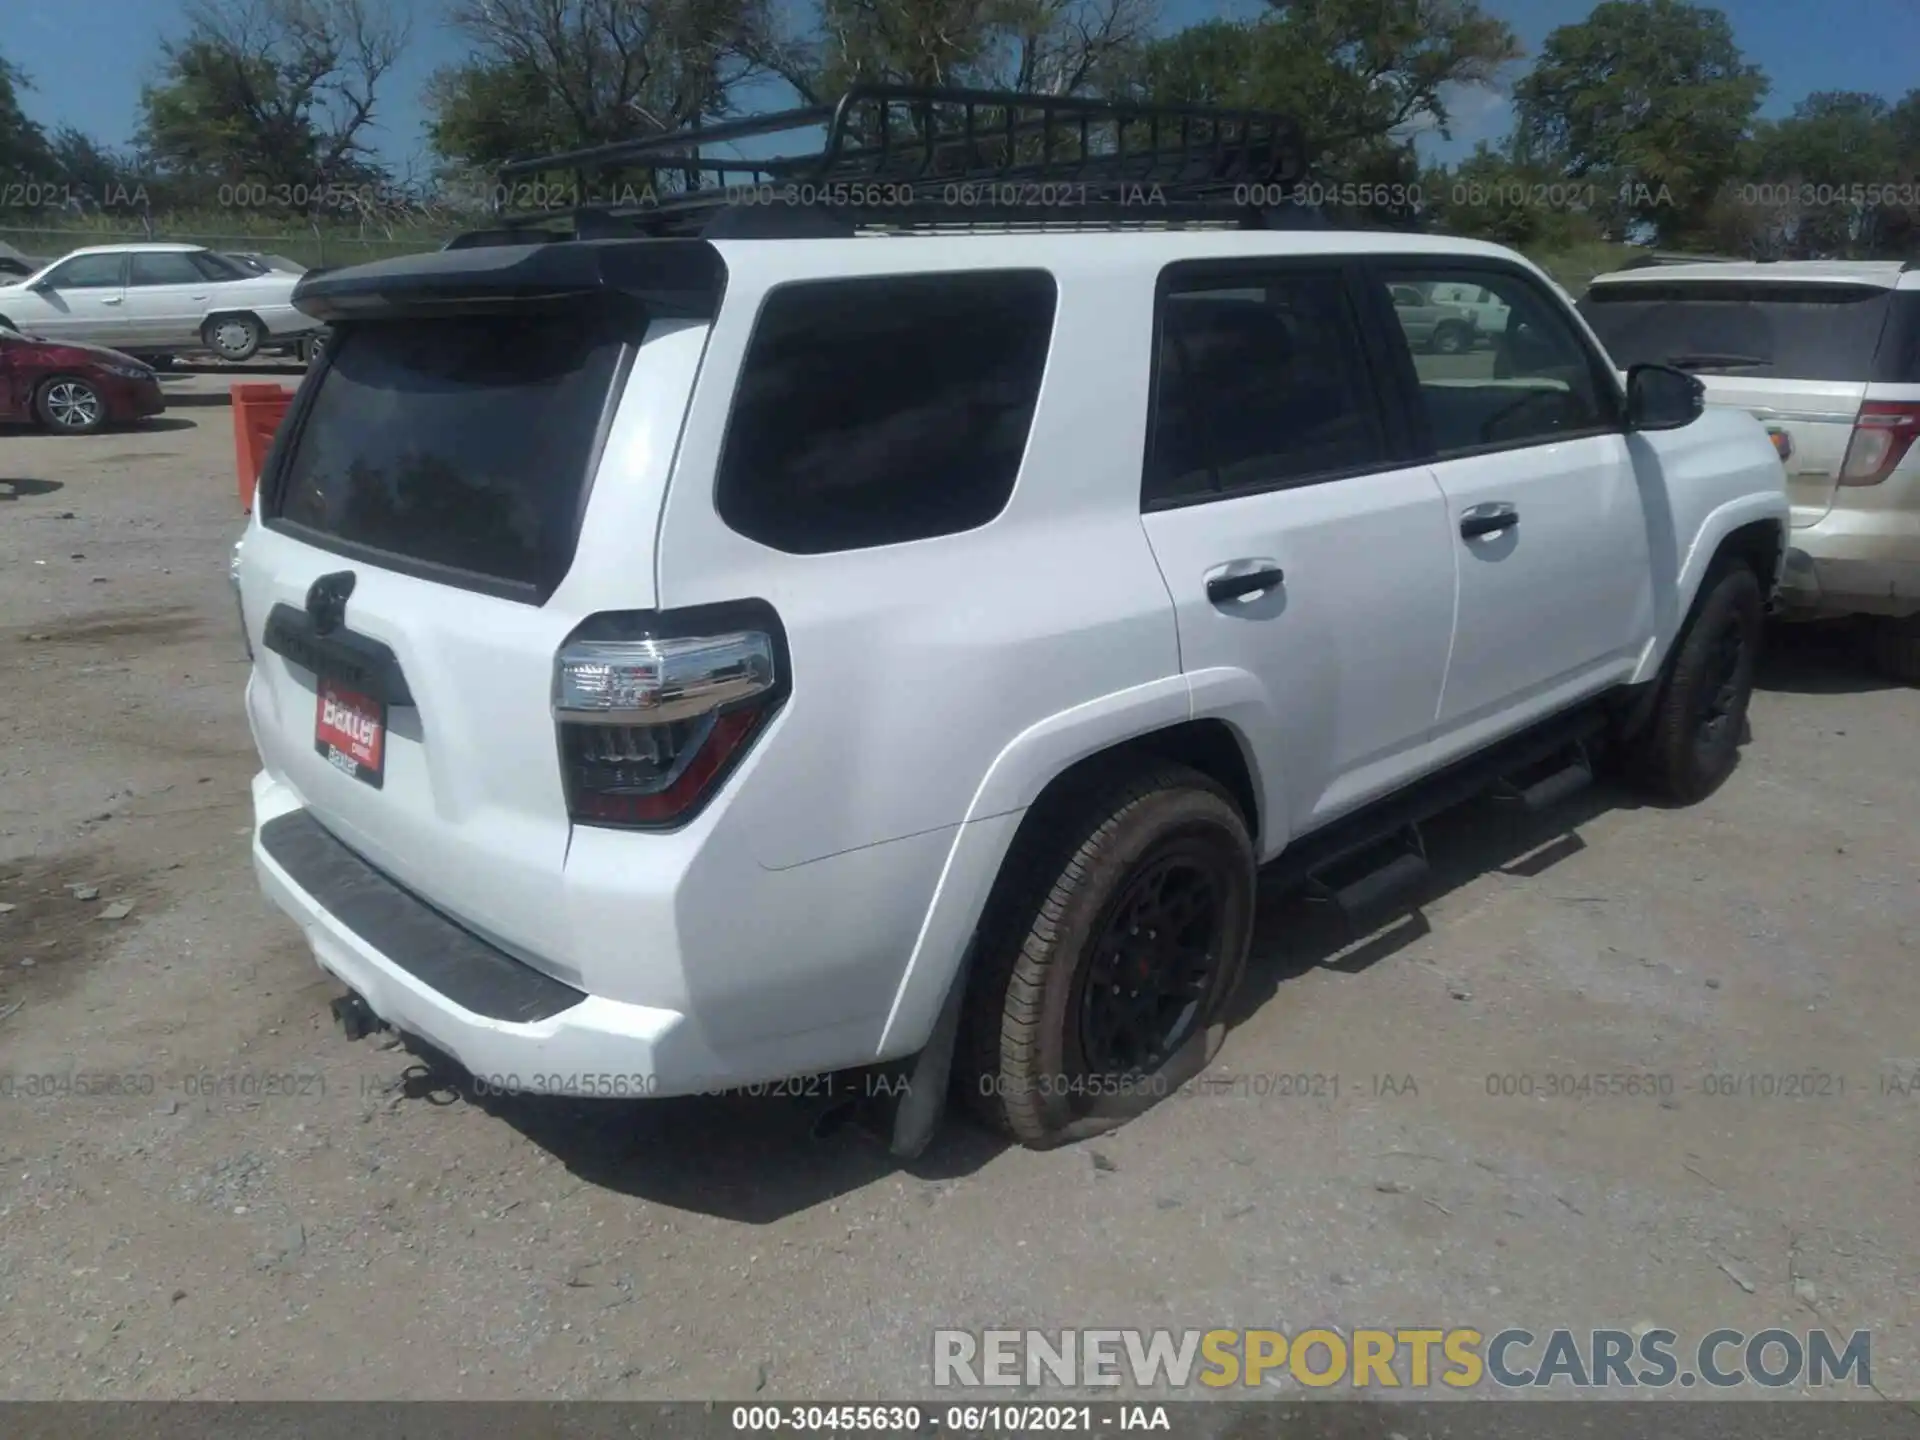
(257, 412)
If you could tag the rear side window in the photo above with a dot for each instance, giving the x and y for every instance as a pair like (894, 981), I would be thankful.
(163, 267)
(218, 267)
(460, 445)
(1767, 330)
(878, 411)
(1899, 360)
(1259, 387)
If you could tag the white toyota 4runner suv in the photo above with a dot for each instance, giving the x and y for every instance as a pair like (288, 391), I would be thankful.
(686, 662)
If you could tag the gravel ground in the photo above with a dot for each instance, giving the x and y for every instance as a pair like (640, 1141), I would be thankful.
(273, 1212)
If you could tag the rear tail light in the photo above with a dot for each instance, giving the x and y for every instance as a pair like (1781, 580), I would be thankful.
(651, 720)
(1882, 435)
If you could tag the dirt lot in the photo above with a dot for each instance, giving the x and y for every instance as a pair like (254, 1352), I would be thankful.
(362, 1231)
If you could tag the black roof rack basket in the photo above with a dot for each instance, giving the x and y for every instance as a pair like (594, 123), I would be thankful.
(916, 158)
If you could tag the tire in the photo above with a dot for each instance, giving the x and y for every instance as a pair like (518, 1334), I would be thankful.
(1896, 649)
(234, 338)
(1041, 1059)
(68, 405)
(1692, 741)
(1451, 340)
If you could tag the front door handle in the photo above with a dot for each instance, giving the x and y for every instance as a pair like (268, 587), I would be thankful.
(1233, 587)
(1488, 520)
(111, 300)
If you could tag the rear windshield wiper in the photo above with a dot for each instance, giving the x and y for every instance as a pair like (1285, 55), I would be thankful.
(1716, 362)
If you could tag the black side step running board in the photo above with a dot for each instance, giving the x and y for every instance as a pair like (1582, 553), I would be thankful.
(1364, 879)
(1363, 859)
(1567, 773)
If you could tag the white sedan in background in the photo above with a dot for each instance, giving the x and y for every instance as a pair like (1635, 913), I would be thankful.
(157, 299)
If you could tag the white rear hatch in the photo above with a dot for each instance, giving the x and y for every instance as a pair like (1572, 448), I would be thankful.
(447, 466)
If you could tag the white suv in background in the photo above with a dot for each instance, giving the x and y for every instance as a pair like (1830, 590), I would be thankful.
(685, 663)
(156, 299)
(1826, 354)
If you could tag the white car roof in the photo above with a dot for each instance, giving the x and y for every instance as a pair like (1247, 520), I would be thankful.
(155, 247)
(1066, 251)
(1889, 273)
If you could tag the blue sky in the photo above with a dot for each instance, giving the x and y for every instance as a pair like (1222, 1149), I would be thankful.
(88, 58)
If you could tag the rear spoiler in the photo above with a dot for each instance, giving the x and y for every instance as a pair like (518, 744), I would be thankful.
(678, 277)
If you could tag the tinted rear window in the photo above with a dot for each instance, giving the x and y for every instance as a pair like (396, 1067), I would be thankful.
(1256, 388)
(1899, 362)
(462, 444)
(1797, 332)
(878, 411)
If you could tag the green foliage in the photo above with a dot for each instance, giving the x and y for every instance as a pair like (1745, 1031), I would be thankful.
(1359, 73)
(1501, 195)
(274, 93)
(1819, 178)
(1650, 99)
(23, 145)
(551, 75)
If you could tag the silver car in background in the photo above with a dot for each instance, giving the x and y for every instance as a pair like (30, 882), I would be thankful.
(157, 299)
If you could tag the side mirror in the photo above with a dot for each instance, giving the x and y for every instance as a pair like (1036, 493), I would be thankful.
(1660, 397)
(43, 286)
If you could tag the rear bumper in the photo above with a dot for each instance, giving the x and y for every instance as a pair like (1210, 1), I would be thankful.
(511, 1026)
(1864, 562)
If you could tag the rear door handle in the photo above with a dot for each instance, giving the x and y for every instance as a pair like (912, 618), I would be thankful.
(1234, 587)
(1488, 520)
(111, 300)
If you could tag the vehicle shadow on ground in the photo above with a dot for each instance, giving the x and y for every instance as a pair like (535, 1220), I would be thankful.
(1296, 932)
(750, 1158)
(196, 399)
(758, 1159)
(1825, 657)
(21, 489)
(156, 423)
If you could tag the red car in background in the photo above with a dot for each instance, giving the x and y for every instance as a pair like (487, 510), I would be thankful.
(72, 389)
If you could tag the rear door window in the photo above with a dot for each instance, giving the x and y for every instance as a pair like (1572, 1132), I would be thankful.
(1760, 330)
(164, 267)
(880, 411)
(1258, 388)
(460, 447)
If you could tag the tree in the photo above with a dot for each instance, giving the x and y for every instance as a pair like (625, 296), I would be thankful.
(279, 92)
(561, 74)
(1804, 171)
(1500, 193)
(23, 144)
(96, 177)
(1650, 99)
(1357, 74)
(1049, 47)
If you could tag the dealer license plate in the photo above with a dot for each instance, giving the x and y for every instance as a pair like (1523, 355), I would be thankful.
(350, 732)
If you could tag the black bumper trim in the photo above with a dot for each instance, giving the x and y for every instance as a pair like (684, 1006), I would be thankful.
(406, 930)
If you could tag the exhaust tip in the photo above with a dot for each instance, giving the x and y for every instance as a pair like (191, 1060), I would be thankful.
(354, 1016)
